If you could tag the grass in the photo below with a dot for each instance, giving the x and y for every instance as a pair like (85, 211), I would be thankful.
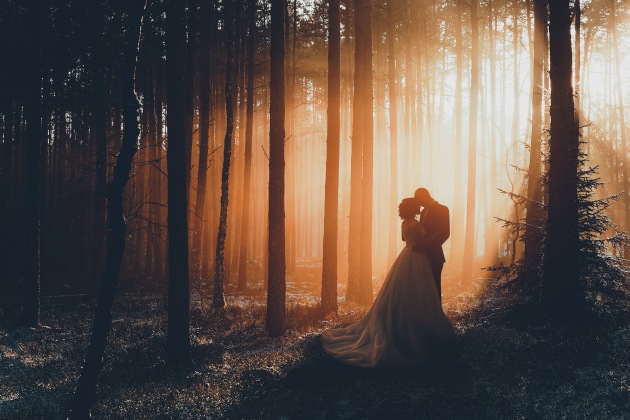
(499, 368)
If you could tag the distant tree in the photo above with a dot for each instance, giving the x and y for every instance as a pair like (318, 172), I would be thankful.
(366, 95)
(560, 271)
(276, 292)
(359, 256)
(189, 81)
(331, 205)
(204, 134)
(33, 116)
(249, 131)
(99, 128)
(459, 199)
(622, 122)
(392, 247)
(469, 241)
(220, 261)
(177, 339)
(85, 392)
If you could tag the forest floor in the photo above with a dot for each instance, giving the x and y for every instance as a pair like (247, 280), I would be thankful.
(500, 368)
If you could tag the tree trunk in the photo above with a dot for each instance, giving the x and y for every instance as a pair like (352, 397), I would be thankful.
(459, 203)
(276, 293)
(365, 243)
(85, 392)
(491, 238)
(516, 87)
(356, 169)
(99, 127)
(32, 163)
(331, 206)
(469, 241)
(189, 84)
(533, 247)
(578, 45)
(562, 245)
(177, 340)
(622, 124)
(204, 134)
(393, 134)
(249, 131)
(359, 284)
(218, 300)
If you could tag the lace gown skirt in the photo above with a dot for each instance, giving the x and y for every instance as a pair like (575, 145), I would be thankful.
(404, 326)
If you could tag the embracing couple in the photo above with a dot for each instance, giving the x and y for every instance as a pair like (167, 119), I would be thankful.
(406, 324)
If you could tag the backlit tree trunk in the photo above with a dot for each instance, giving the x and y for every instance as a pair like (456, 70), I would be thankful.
(533, 247)
(393, 134)
(249, 129)
(218, 300)
(85, 392)
(622, 122)
(562, 246)
(204, 134)
(276, 292)
(469, 242)
(329, 263)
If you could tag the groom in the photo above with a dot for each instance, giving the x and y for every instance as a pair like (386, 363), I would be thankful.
(434, 218)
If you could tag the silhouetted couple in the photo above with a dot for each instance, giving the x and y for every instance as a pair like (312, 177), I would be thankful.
(406, 324)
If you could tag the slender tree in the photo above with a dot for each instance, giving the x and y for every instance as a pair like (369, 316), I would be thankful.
(393, 131)
(560, 273)
(220, 261)
(177, 339)
(459, 202)
(204, 134)
(276, 292)
(99, 128)
(249, 132)
(367, 184)
(32, 163)
(469, 241)
(329, 263)
(533, 247)
(622, 120)
(359, 276)
(85, 392)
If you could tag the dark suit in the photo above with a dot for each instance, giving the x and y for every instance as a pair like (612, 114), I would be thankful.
(435, 221)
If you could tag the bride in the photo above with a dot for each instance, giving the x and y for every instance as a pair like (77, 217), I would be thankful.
(406, 325)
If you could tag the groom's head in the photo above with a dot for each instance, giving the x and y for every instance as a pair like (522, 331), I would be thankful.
(423, 197)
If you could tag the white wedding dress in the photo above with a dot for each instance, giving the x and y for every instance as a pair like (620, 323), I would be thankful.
(406, 324)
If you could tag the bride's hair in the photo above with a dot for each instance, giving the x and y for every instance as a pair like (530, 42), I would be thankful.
(408, 208)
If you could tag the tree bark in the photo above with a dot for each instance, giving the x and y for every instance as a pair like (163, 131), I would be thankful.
(177, 339)
(218, 300)
(85, 392)
(469, 241)
(622, 123)
(276, 293)
(249, 132)
(32, 163)
(359, 257)
(560, 276)
(365, 243)
(204, 134)
(459, 202)
(533, 247)
(393, 134)
(331, 206)
(99, 126)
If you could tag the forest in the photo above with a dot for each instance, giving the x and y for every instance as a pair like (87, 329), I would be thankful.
(194, 191)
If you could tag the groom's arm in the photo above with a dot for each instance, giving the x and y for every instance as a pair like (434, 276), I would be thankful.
(440, 235)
